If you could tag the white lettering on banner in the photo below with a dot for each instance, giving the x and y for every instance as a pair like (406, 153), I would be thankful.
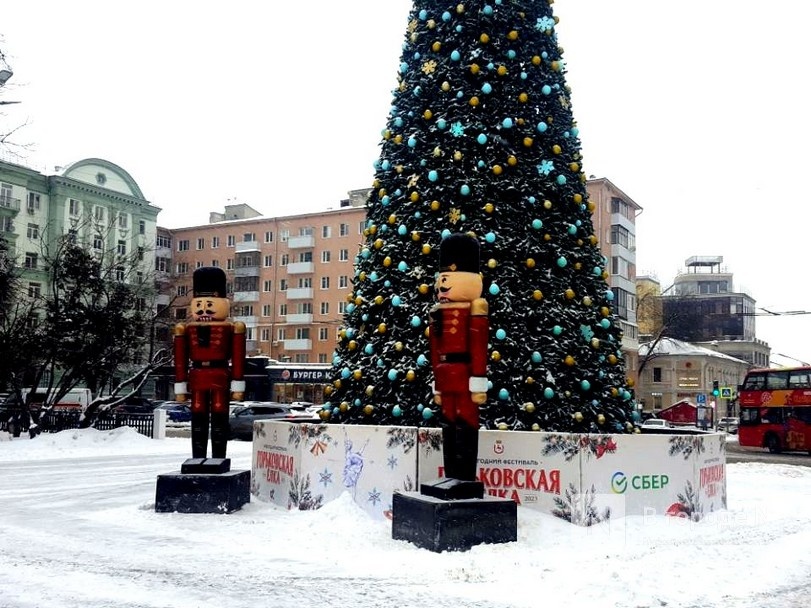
(308, 375)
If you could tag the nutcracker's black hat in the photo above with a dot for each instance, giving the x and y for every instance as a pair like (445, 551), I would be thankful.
(459, 252)
(209, 281)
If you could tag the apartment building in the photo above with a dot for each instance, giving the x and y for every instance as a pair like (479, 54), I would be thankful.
(289, 276)
(93, 199)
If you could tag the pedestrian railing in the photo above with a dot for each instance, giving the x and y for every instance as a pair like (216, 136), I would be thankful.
(61, 420)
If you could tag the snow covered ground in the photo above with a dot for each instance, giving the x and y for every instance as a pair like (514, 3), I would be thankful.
(78, 529)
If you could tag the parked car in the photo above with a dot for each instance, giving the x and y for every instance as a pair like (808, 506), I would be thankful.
(656, 423)
(243, 418)
(135, 405)
(729, 425)
(176, 411)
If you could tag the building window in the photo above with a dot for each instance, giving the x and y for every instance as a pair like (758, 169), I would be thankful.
(34, 290)
(163, 241)
(268, 237)
(31, 261)
(33, 231)
(343, 281)
(324, 282)
(306, 256)
(182, 290)
(620, 267)
(199, 264)
(301, 358)
(324, 308)
(162, 264)
(6, 194)
(268, 261)
(119, 274)
(284, 235)
(74, 207)
(284, 259)
(215, 242)
(341, 307)
(267, 310)
(98, 213)
(215, 263)
(248, 237)
(229, 264)
(657, 374)
(305, 308)
(621, 236)
(140, 254)
(282, 284)
(344, 229)
(267, 285)
(230, 241)
(180, 313)
(280, 335)
(123, 220)
(183, 245)
(6, 224)
(325, 256)
(323, 334)
(282, 310)
(141, 226)
(33, 202)
(305, 282)
(264, 336)
(121, 248)
(343, 255)
(361, 226)
(326, 232)
(201, 244)
(182, 268)
(322, 357)
(302, 333)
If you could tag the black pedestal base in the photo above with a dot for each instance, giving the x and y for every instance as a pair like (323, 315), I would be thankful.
(203, 492)
(453, 525)
(205, 465)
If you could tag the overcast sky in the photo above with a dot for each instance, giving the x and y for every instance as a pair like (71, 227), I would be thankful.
(696, 109)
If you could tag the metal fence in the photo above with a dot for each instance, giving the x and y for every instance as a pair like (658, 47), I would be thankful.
(60, 420)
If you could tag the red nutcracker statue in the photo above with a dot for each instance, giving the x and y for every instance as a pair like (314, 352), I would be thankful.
(208, 343)
(458, 338)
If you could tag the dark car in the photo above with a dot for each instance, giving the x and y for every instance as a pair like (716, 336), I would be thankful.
(135, 405)
(242, 419)
(176, 411)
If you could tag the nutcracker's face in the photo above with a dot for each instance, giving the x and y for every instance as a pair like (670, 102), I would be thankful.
(458, 286)
(210, 309)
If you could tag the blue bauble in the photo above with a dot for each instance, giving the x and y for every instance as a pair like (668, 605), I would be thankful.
(392, 374)
(396, 411)
(455, 56)
(561, 179)
(403, 67)
(416, 321)
(336, 359)
(557, 330)
(464, 190)
(373, 275)
(433, 175)
(345, 373)
(490, 237)
(572, 229)
(350, 332)
(386, 283)
(446, 16)
(357, 403)
(446, 233)
(585, 385)
(395, 301)
(422, 360)
(402, 230)
(548, 393)
(503, 394)
(597, 271)
(536, 357)
(398, 122)
(541, 127)
(537, 224)
(501, 334)
(412, 141)
(546, 89)
(507, 123)
(402, 267)
(494, 289)
(487, 88)
(368, 349)
(482, 138)
(423, 15)
(605, 323)
(562, 262)
(427, 413)
(385, 200)
(609, 295)
(487, 10)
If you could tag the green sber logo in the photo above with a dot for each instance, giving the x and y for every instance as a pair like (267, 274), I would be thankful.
(619, 483)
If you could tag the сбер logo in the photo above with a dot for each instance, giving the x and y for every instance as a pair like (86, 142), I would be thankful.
(619, 483)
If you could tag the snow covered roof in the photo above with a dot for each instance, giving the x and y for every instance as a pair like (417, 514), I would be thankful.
(673, 347)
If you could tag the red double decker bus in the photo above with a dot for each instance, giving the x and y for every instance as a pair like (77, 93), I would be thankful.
(776, 409)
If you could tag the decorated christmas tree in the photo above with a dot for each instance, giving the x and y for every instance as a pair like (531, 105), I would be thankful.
(481, 139)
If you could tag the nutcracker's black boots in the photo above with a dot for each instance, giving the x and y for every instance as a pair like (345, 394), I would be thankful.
(199, 434)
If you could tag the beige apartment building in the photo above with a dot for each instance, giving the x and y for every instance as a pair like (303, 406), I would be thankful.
(289, 276)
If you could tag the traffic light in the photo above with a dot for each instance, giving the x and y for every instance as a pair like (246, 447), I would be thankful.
(715, 390)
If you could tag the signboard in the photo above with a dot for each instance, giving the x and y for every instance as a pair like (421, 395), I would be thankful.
(701, 398)
(726, 392)
(300, 375)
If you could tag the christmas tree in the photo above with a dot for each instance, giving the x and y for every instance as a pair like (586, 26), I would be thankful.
(481, 139)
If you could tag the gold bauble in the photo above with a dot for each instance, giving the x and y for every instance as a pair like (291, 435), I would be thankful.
(398, 139)
(600, 419)
(387, 261)
(431, 24)
(586, 301)
(491, 263)
(368, 409)
(415, 236)
(424, 289)
(373, 229)
(614, 391)
(523, 97)
(379, 299)
(497, 169)
(435, 205)
(484, 38)
(446, 86)
(593, 239)
(370, 389)
(474, 101)
(378, 243)
(555, 65)
(426, 249)
(547, 237)
(547, 204)
(357, 374)
(536, 60)
(358, 301)
(578, 416)
(502, 426)
(392, 219)
(537, 294)
(352, 345)
(595, 343)
(495, 356)
(530, 380)
(342, 333)
(501, 70)
(528, 141)
(410, 375)
(569, 360)
(344, 406)
(457, 155)
(512, 161)
(612, 359)
(460, 8)
(605, 311)
(325, 414)
(436, 46)
(578, 198)
(381, 328)
(536, 426)
(556, 149)
(327, 391)
(474, 68)
(386, 134)
(630, 382)
(427, 114)
(578, 265)
(489, 207)
(337, 383)
(427, 331)
(590, 206)
(569, 293)
(530, 263)
(398, 346)
(574, 166)
(529, 407)
(415, 196)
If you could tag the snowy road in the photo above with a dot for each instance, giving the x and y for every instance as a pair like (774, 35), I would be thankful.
(78, 530)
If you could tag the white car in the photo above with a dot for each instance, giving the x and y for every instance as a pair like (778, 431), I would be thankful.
(656, 423)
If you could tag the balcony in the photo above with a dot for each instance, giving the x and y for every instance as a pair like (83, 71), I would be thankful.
(6, 202)
(301, 242)
(247, 247)
(246, 296)
(246, 271)
(305, 344)
(300, 293)
(301, 268)
(299, 318)
(249, 321)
